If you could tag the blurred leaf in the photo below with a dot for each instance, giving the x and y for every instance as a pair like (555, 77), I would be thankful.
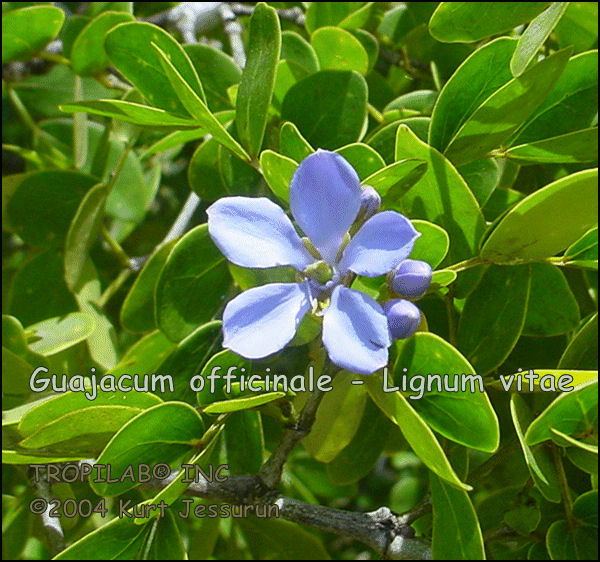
(570, 542)
(535, 35)
(579, 26)
(244, 442)
(298, 50)
(456, 531)
(160, 434)
(321, 14)
(28, 30)
(585, 508)
(466, 22)
(582, 351)
(258, 78)
(338, 102)
(502, 294)
(482, 177)
(588, 241)
(523, 233)
(189, 290)
(88, 56)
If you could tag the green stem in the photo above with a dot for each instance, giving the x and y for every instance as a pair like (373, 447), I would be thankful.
(375, 113)
(124, 259)
(466, 264)
(22, 110)
(563, 483)
(114, 287)
(449, 300)
(54, 57)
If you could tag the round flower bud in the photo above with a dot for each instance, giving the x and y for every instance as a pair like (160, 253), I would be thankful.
(403, 318)
(370, 202)
(411, 279)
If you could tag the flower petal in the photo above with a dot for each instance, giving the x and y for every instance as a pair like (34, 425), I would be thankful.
(255, 232)
(325, 199)
(380, 245)
(355, 332)
(263, 320)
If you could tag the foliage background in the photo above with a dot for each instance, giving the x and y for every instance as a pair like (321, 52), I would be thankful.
(477, 120)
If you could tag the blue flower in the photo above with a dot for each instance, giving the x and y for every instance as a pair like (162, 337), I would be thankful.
(325, 199)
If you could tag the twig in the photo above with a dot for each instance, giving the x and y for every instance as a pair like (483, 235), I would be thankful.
(56, 537)
(295, 14)
(270, 472)
(233, 29)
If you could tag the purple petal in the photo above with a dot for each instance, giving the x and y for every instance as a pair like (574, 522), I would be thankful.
(255, 232)
(355, 332)
(380, 245)
(263, 320)
(324, 199)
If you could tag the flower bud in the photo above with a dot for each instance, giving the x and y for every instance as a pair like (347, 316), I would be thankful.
(370, 202)
(411, 279)
(403, 318)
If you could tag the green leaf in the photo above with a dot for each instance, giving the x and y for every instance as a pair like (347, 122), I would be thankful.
(563, 438)
(258, 78)
(535, 36)
(523, 234)
(278, 171)
(582, 351)
(238, 404)
(395, 180)
(174, 140)
(465, 416)
(418, 434)
(524, 519)
(466, 22)
(586, 242)
(160, 434)
(84, 431)
(442, 197)
(38, 289)
(17, 457)
(71, 402)
(579, 26)
(102, 341)
(338, 419)
(585, 508)
(83, 232)
(539, 460)
(321, 14)
(579, 146)
(571, 413)
(421, 101)
(44, 204)
(129, 47)
(568, 542)
(298, 50)
(293, 144)
(196, 107)
(122, 539)
(56, 334)
(137, 312)
(443, 278)
(500, 115)
(28, 30)
(135, 113)
(275, 539)
(502, 294)
(189, 290)
(365, 160)
(88, 56)
(338, 49)
(14, 339)
(358, 458)
(244, 442)
(552, 308)
(218, 72)
(204, 177)
(338, 107)
(569, 106)
(432, 246)
(482, 177)
(456, 531)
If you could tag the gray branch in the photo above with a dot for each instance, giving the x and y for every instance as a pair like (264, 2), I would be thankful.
(56, 537)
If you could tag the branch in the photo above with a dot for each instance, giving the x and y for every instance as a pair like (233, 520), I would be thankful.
(385, 532)
(233, 29)
(295, 14)
(56, 537)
